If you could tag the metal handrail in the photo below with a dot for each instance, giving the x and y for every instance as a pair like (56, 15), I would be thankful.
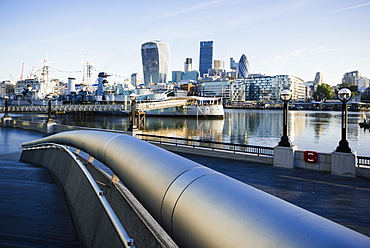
(214, 145)
(363, 161)
(121, 231)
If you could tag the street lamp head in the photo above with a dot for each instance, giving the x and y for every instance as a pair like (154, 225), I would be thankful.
(132, 96)
(344, 95)
(6, 97)
(285, 95)
(49, 97)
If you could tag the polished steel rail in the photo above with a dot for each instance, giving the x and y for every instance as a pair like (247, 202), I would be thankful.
(213, 145)
(121, 232)
(200, 207)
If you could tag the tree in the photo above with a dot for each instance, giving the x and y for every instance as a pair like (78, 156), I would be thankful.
(323, 91)
(351, 87)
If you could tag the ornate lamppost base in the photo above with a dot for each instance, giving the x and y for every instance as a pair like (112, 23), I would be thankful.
(284, 141)
(343, 147)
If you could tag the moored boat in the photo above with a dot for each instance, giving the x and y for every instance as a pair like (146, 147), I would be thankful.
(365, 123)
(200, 107)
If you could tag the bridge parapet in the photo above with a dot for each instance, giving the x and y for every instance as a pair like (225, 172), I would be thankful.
(142, 106)
(199, 207)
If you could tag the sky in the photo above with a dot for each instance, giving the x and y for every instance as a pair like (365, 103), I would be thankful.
(296, 37)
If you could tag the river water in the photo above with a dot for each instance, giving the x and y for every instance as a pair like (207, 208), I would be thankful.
(308, 130)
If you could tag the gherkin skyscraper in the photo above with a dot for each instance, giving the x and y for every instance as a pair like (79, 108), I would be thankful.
(243, 67)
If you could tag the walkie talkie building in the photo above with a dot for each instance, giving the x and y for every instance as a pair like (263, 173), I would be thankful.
(156, 59)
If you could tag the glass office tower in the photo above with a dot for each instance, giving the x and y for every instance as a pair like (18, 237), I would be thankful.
(205, 57)
(243, 67)
(156, 58)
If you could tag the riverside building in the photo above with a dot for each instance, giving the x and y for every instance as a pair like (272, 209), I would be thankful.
(258, 87)
(156, 59)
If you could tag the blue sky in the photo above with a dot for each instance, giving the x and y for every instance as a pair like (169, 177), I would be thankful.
(298, 37)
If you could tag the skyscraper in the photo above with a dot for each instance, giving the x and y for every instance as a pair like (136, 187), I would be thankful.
(205, 57)
(188, 65)
(156, 58)
(233, 64)
(243, 67)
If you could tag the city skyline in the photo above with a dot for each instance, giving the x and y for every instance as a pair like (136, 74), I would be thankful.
(299, 38)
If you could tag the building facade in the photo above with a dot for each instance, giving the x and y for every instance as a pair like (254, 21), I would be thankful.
(156, 59)
(205, 57)
(216, 88)
(177, 76)
(135, 79)
(351, 77)
(363, 83)
(266, 88)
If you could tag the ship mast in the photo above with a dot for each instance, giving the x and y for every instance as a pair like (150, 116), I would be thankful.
(88, 67)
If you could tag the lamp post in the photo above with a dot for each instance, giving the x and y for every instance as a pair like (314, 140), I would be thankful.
(285, 96)
(50, 119)
(133, 112)
(6, 115)
(344, 95)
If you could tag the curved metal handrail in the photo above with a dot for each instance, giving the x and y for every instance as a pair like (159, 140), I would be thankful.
(121, 231)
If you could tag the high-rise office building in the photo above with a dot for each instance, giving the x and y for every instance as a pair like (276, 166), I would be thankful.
(243, 67)
(233, 64)
(351, 77)
(205, 57)
(156, 59)
(188, 65)
(135, 79)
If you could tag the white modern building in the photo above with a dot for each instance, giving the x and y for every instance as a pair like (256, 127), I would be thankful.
(218, 87)
(266, 88)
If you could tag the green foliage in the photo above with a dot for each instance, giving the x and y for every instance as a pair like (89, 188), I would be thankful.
(351, 87)
(323, 91)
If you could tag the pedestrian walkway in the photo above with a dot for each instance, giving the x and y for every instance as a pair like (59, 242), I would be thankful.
(34, 212)
(341, 199)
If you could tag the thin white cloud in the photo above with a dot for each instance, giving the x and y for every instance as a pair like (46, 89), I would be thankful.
(346, 7)
(301, 53)
(193, 8)
(68, 36)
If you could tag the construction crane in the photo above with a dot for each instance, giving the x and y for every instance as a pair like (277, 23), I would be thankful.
(21, 77)
(31, 72)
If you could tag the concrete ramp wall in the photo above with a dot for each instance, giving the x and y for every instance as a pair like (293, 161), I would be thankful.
(95, 228)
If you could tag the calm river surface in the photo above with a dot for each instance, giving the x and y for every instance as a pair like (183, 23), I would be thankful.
(308, 130)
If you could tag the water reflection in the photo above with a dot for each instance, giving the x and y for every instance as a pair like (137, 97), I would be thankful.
(308, 130)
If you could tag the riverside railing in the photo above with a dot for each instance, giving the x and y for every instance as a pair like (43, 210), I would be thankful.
(212, 145)
(363, 161)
